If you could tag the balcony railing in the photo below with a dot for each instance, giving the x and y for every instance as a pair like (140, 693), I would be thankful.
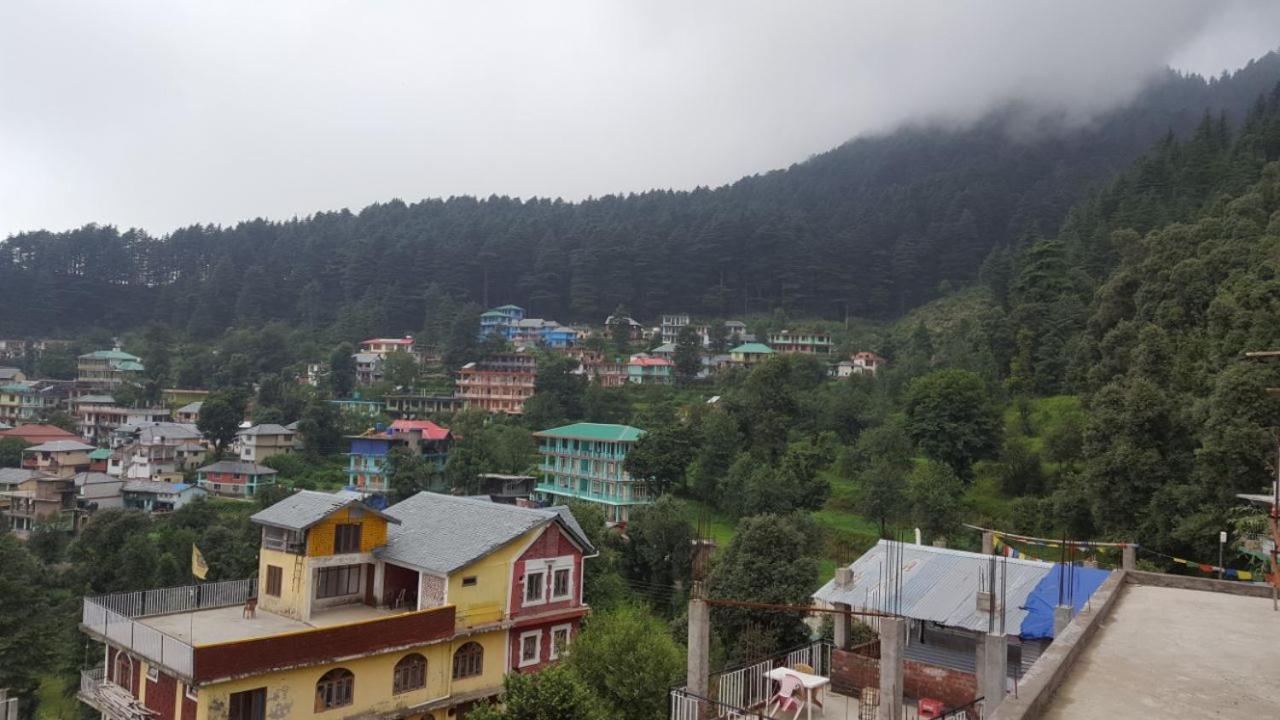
(112, 617)
(110, 699)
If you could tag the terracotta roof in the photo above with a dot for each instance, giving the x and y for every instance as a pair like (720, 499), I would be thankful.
(430, 430)
(36, 433)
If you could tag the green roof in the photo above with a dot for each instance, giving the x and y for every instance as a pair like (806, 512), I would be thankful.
(595, 431)
(492, 313)
(16, 387)
(753, 348)
(129, 365)
(110, 355)
(509, 307)
(100, 454)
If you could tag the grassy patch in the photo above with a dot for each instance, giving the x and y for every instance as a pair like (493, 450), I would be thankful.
(54, 700)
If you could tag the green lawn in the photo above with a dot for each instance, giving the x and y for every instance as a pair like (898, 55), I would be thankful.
(54, 700)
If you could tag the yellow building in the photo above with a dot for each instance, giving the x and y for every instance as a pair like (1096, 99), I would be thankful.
(417, 611)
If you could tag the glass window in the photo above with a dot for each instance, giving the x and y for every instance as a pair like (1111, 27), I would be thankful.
(560, 585)
(335, 689)
(533, 586)
(468, 661)
(559, 640)
(346, 538)
(275, 578)
(248, 705)
(530, 648)
(338, 581)
(410, 674)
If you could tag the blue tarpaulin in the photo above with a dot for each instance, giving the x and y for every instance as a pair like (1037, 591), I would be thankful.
(1040, 603)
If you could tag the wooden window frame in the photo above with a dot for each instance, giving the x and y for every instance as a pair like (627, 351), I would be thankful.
(275, 580)
(248, 705)
(410, 674)
(525, 637)
(350, 573)
(335, 689)
(343, 542)
(540, 585)
(470, 664)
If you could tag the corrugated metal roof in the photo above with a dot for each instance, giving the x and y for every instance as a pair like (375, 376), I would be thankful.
(594, 431)
(939, 585)
(308, 507)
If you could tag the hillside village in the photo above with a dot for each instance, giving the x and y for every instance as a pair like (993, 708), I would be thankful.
(975, 416)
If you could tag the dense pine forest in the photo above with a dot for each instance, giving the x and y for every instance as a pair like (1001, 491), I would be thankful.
(870, 229)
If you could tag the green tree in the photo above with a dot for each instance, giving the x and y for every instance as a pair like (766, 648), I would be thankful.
(883, 462)
(320, 426)
(952, 419)
(628, 659)
(407, 473)
(220, 418)
(660, 457)
(342, 371)
(659, 548)
(720, 443)
(555, 693)
(936, 496)
(688, 355)
(400, 369)
(11, 451)
(24, 635)
(769, 560)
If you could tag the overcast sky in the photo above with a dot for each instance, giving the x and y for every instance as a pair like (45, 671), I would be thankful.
(163, 113)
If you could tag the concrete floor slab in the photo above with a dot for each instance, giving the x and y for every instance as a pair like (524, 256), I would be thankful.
(219, 625)
(1183, 653)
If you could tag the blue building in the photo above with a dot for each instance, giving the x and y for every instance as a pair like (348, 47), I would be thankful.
(367, 461)
(502, 321)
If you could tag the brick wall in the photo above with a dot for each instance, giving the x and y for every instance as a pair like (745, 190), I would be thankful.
(852, 670)
(552, 543)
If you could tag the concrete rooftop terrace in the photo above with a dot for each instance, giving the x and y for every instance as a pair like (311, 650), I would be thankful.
(1152, 645)
(1188, 652)
(227, 624)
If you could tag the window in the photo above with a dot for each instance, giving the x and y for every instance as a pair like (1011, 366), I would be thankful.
(153, 674)
(469, 581)
(275, 576)
(534, 583)
(346, 539)
(192, 693)
(560, 640)
(338, 581)
(335, 689)
(248, 705)
(410, 674)
(468, 661)
(124, 670)
(530, 648)
(561, 587)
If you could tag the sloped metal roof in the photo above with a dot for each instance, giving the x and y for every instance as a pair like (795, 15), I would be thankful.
(308, 507)
(939, 585)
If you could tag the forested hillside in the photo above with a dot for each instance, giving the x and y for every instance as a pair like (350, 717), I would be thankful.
(871, 229)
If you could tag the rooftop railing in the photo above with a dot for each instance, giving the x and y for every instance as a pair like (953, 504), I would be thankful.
(114, 618)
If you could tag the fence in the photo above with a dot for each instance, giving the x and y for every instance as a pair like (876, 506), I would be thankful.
(112, 617)
(8, 706)
(735, 692)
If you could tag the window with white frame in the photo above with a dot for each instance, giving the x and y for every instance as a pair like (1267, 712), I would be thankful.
(153, 673)
(562, 581)
(535, 592)
(560, 635)
(530, 648)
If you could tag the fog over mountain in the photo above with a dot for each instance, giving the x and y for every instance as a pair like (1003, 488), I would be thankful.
(144, 113)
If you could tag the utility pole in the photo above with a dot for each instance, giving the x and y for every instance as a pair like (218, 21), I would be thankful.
(698, 678)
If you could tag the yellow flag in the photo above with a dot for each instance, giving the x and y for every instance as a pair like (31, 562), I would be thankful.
(199, 567)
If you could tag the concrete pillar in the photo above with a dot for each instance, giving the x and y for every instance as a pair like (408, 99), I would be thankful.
(1129, 558)
(988, 542)
(842, 626)
(699, 646)
(993, 667)
(1061, 618)
(893, 635)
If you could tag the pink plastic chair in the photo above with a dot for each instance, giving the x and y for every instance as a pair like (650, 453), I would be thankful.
(786, 695)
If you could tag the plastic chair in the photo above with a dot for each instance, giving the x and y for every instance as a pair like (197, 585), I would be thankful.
(786, 695)
(808, 670)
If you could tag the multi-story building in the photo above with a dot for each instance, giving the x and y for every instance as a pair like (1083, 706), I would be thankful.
(40, 498)
(261, 441)
(367, 461)
(501, 321)
(671, 326)
(61, 458)
(98, 491)
(585, 461)
(802, 342)
(644, 370)
(234, 478)
(158, 497)
(12, 375)
(189, 413)
(383, 347)
(20, 402)
(609, 374)
(623, 323)
(156, 451)
(416, 405)
(500, 384)
(418, 611)
(750, 353)
(176, 397)
(108, 369)
(368, 368)
(98, 420)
